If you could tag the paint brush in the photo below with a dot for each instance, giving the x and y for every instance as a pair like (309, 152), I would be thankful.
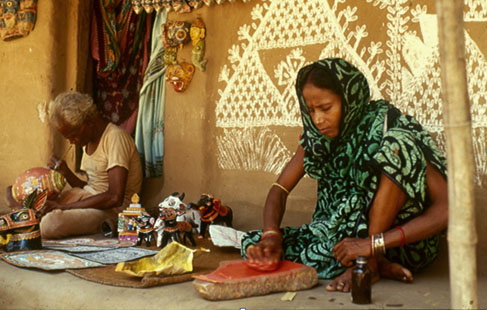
(58, 161)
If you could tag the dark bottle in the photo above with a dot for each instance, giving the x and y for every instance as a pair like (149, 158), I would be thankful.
(361, 282)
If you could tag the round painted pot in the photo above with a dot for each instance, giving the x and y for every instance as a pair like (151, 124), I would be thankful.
(39, 178)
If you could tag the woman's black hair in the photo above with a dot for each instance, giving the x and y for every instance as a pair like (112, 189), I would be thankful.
(321, 78)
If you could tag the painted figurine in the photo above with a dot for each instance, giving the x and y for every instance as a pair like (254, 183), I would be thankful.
(127, 220)
(145, 227)
(171, 222)
(213, 212)
(179, 76)
(198, 34)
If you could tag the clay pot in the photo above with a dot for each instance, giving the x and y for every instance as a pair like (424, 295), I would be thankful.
(38, 178)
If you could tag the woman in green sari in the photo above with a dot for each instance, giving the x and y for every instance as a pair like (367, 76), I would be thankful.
(382, 188)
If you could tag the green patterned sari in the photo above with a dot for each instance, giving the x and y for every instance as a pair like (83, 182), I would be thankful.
(374, 138)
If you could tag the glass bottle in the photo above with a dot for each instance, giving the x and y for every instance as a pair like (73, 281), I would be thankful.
(361, 282)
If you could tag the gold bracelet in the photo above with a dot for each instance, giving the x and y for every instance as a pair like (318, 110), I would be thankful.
(271, 234)
(379, 244)
(281, 187)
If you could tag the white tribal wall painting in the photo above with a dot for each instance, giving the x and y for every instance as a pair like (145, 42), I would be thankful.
(399, 58)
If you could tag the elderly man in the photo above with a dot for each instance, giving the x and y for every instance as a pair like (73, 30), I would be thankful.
(110, 160)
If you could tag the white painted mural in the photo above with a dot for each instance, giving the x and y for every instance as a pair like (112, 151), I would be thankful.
(401, 65)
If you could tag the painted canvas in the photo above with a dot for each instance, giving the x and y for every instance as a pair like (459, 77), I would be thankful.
(78, 248)
(67, 242)
(47, 260)
(117, 255)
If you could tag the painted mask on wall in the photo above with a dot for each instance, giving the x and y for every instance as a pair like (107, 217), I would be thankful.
(175, 33)
(198, 34)
(17, 18)
(180, 75)
(170, 56)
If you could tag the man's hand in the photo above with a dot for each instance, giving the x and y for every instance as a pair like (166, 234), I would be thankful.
(58, 165)
(50, 206)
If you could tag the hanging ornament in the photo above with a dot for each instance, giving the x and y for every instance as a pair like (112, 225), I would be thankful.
(17, 18)
(180, 6)
(137, 6)
(175, 33)
(198, 34)
(157, 4)
(208, 2)
(180, 75)
(195, 4)
(147, 5)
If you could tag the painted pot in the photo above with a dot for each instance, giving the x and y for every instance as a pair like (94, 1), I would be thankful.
(39, 178)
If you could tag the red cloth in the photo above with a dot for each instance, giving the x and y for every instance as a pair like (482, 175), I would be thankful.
(120, 47)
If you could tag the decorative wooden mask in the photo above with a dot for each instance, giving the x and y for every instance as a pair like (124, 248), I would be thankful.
(198, 34)
(180, 75)
(170, 56)
(175, 33)
(19, 230)
(17, 18)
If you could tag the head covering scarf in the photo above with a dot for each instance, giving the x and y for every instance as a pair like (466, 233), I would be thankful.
(374, 139)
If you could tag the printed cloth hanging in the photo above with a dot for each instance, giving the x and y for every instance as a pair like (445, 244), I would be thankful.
(179, 6)
(17, 18)
(120, 46)
(149, 132)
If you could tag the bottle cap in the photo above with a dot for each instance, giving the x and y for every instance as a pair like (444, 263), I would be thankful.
(361, 260)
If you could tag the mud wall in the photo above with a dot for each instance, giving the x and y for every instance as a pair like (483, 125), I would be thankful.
(33, 69)
(238, 123)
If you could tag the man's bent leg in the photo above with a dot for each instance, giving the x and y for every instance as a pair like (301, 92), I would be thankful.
(60, 224)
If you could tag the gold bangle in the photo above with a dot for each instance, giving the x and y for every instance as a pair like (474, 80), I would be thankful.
(271, 232)
(379, 244)
(281, 187)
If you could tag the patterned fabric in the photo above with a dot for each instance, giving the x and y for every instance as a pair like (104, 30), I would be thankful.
(149, 132)
(347, 169)
(120, 46)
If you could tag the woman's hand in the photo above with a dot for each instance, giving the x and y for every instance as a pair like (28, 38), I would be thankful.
(347, 250)
(265, 255)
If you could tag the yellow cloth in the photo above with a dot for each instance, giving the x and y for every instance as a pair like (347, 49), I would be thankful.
(116, 148)
(173, 259)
